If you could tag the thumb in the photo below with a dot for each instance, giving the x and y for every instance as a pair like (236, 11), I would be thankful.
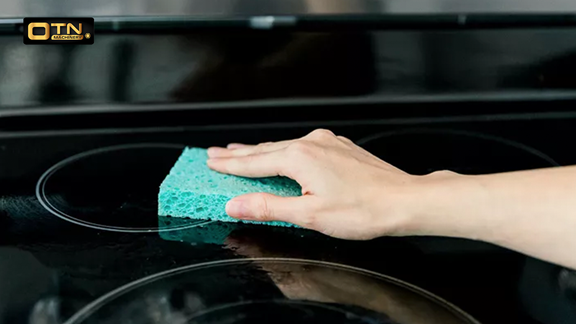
(265, 207)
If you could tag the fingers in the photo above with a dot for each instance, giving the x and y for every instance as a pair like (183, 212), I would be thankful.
(270, 159)
(238, 149)
(216, 151)
(264, 207)
(233, 146)
(268, 164)
(244, 150)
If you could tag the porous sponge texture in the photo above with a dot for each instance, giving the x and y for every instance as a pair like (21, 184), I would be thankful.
(193, 190)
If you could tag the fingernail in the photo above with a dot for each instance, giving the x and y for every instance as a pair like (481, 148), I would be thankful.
(237, 208)
(213, 163)
(216, 151)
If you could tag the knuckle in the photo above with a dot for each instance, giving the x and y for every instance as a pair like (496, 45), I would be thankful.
(322, 134)
(246, 160)
(263, 211)
(261, 147)
(299, 149)
(344, 139)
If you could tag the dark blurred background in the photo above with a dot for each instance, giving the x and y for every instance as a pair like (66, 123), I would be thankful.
(207, 65)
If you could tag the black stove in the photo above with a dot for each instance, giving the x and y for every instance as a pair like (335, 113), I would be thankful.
(88, 133)
(81, 241)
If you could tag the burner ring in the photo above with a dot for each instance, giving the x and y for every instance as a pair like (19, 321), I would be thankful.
(424, 150)
(45, 178)
(236, 269)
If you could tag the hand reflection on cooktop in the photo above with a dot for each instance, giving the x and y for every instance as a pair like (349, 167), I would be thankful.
(330, 286)
(324, 285)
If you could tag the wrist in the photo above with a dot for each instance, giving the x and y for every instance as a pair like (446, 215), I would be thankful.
(443, 203)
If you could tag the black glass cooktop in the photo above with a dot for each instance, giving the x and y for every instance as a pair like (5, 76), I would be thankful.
(258, 290)
(81, 242)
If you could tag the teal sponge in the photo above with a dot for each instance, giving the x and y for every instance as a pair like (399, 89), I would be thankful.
(193, 190)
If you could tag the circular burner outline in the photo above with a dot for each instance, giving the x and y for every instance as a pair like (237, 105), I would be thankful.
(512, 143)
(41, 196)
(89, 309)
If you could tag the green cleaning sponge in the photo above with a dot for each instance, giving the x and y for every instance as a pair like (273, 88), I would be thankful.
(193, 190)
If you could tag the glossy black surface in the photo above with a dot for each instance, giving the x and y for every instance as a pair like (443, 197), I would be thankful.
(65, 266)
(258, 290)
(113, 188)
(422, 151)
(87, 133)
(214, 68)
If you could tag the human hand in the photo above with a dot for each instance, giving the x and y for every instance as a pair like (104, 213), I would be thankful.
(346, 191)
(349, 193)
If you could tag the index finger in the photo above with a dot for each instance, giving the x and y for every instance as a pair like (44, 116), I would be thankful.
(248, 150)
(268, 164)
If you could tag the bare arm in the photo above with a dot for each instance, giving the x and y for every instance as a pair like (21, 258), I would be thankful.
(533, 211)
(349, 193)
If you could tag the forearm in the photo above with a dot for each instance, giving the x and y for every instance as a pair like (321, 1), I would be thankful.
(533, 212)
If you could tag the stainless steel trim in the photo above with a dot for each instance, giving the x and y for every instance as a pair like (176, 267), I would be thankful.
(278, 103)
(230, 8)
(313, 124)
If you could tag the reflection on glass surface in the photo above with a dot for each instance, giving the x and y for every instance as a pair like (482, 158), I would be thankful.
(112, 188)
(264, 290)
(189, 68)
(422, 151)
(207, 233)
(208, 67)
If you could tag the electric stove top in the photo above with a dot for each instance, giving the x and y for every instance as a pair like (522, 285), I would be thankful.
(81, 242)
